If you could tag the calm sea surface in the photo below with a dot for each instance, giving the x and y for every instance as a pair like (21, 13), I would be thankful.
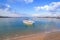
(15, 26)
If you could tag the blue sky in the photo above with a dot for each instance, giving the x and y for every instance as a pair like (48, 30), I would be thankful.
(30, 7)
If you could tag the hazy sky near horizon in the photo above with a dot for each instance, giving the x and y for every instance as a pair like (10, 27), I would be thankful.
(29, 7)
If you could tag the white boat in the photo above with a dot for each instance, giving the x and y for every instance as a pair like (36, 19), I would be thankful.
(28, 22)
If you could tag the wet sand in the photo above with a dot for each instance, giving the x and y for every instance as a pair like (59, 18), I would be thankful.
(52, 36)
(39, 36)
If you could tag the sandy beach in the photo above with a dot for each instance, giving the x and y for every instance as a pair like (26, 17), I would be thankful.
(53, 36)
(39, 36)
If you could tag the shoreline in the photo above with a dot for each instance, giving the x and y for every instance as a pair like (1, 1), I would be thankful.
(30, 37)
(37, 36)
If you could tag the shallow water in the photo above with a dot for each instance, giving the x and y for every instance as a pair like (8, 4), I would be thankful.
(15, 26)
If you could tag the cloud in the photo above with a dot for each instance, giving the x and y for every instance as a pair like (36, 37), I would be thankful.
(7, 7)
(6, 11)
(4, 6)
(25, 1)
(46, 7)
(35, 15)
(52, 7)
(28, 1)
(37, 8)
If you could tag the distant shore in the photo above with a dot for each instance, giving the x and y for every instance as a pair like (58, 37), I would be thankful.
(31, 17)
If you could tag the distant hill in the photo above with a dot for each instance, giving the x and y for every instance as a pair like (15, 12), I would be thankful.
(8, 17)
(27, 17)
(4, 17)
